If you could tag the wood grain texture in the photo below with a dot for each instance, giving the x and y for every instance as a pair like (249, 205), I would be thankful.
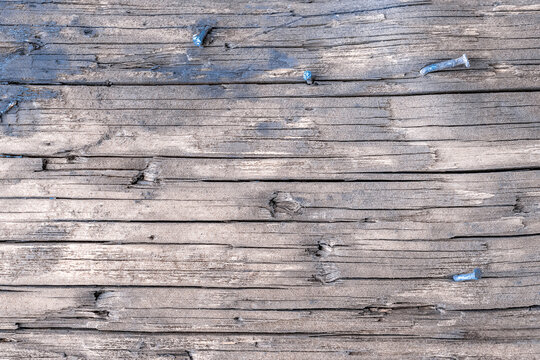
(89, 345)
(163, 201)
(381, 43)
(268, 134)
(418, 308)
(448, 198)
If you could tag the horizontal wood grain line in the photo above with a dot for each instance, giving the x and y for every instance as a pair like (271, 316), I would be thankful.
(520, 335)
(532, 88)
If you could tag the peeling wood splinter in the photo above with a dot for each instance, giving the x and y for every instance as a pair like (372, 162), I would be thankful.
(475, 275)
(462, 60)
(198, 39)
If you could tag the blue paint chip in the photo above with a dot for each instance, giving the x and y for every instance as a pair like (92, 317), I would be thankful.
(198, 39)
(475, 275)
(462, 60)
(307, 75)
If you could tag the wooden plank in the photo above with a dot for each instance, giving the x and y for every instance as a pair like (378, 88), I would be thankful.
(382, 44)
(268, 234)
(89, 345)
(444, 198)
(162, 201)
(223, 265)
(454, 208)
(466, 201)
(268, 137)
(13, 167)
(420, 308)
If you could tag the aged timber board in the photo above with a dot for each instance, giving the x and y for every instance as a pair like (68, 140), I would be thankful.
(164, 201)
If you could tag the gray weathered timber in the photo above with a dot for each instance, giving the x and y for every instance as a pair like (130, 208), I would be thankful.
(44, 344)
(447, 198)
(285, 134)
(164, 201)
(200, 265)
(384, 43)
(173, 310)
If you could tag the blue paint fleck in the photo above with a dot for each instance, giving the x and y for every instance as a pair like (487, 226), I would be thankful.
(463, 60)
(475, 275)
(198, 39)
(308, 77)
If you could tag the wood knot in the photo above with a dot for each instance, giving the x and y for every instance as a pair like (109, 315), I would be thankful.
(324, 248)
(100, 295)
(284, 202)
(148, 176)
(519, 206)
(102, 313)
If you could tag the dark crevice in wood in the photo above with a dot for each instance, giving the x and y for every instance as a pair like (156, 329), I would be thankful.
(277, 82)
(461, 336)
(442, 172)
(467, 237)
(98, 295)
(139, 177)
(282, 180)
(535, 307)
(72, 157)
(231, 157)
(261, 247)
(44, 163)
(202, 221)
(372, 308)
(28, 328)
(412, 208)
(137, 286)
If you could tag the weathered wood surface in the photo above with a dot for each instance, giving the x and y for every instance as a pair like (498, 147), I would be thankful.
(162, 201)
(82, 345)
(381, 43)
(270, 132)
